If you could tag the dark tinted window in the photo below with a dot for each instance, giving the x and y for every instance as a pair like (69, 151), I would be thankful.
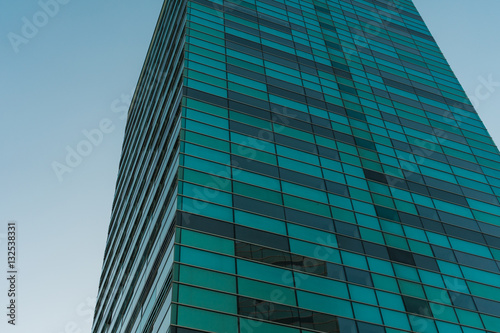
(337, 188)
(477, 262)
(458, 220)
(206, 224)
(308, 219)
(401, 256)
(244, 108)
(376, 250)
(268, 311)
(283, 84)
(417, 306)
(447, 196)
(335, 271)
(358, 276)
(426, 262)
(410, 219)
(256, 166)
(347, 229)
(489, 198)
(492, 241)
(295, 143)
(487, 306)
(263, 254)
(318, 321)
(432, 225)
(462, 300)
(443, 253)
(258, 206)
(286, 93)
(365, 327)
(200, 95)
(490, 229)
(302, 178)
(467, 234)
(344, 137)
(376, 176)
(396, 182)
(418, 188)
(364, 143)
(351, 244)
(348, 326)
(327, 152)
(310, 265)
(387, 213)
(250, 130)
(441, 184)
(261, 237)
(245, 98)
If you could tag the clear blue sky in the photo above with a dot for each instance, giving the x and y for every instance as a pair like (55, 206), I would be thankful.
(60, 83)
(69, 77)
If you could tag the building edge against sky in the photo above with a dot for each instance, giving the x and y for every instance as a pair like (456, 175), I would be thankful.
(138, 255)
(298, 167)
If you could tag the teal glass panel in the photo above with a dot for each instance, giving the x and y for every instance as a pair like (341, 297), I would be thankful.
(264, 272)
(208, 320)
(207, 260)
(325, 304)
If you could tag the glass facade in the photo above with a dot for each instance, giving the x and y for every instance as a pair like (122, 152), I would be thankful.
(301, 166)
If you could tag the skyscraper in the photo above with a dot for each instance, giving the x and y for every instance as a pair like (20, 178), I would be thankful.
(301, 166)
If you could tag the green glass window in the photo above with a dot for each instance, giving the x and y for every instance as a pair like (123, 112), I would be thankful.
(206, 320)
(207, 279)
(320, 303)
(265, 291)
(207, 260)
(207, 299)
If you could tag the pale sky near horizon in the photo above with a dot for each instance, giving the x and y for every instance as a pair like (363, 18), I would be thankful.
(73, 75)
